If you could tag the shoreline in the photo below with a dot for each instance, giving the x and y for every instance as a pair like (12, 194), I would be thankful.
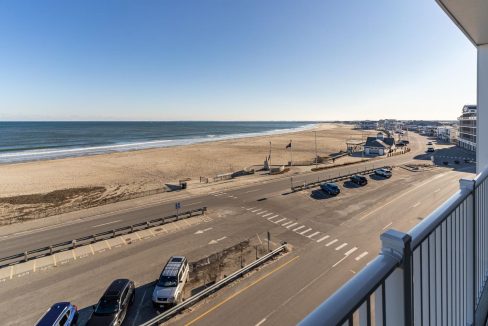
(64, 153)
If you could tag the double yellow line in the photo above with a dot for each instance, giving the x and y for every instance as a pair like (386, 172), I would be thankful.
(241, 290)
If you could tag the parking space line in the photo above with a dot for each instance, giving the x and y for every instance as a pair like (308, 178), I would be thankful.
(260, 213)
(272, 217)
(361, 255)
(416, 204)
(351, 251)
(285, 224)
(291, 225)
(307, 230)
(256, 210)
(387, 226)
(313, 234)
(331, 243)
(298, 228)
(250, 208)
(280, 220)
(323, 238)
(341, 246)
(267, 214)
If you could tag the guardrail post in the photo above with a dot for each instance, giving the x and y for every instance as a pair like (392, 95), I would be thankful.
(73, 244)
(113, 233)
(26, 256)
(148, 225)
(50, 250)
(131, 228)
(398, 289)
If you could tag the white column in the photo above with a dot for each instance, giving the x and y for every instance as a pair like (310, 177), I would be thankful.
(482, 119)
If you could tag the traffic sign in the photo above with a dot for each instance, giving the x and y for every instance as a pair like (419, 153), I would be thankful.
(178, 205)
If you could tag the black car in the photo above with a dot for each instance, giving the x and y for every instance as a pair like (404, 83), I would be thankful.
(113, 306)
(331, 188)
(359, 180)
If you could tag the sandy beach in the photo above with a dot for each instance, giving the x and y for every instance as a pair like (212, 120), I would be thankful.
(109, 175)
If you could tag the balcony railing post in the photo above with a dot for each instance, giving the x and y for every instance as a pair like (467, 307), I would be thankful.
(468, 185)
(398, 287)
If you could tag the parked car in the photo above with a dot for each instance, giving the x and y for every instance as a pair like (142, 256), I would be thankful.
(383, 173)
(169, 287)
(60, 314)
(359, 180)
(113, 305)
(430, 149)
(331, 188)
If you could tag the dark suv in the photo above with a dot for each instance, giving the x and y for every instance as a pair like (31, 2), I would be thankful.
(331, 188)
(113, 306)
(60, 314)
(359, 180)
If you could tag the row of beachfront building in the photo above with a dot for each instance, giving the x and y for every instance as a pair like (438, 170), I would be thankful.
(462, 132)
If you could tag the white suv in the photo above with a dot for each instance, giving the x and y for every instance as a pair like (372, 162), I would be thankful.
(173, 278)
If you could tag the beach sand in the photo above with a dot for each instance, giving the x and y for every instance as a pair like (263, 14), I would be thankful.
(136, 171)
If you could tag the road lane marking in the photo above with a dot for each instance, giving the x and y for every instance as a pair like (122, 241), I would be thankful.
(387, 226)
(361, 255)
(307, 230)
(254, 211)
(95, 226)
(439, 189)
(416, 204)
(241, 290)
(323, 238)
(351, 251)
(291, 225)
(313, 234)
(272, 217)
(280, 220)
(137, 313)
(298, 228)
(285, 224)
(341, 246)
(331, 243)
(340, 261)
(246, 192)
(401, 195)
(250, 208)
(261, 213)
(261, 322)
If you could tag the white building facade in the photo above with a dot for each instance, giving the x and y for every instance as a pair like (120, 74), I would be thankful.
(467, 128)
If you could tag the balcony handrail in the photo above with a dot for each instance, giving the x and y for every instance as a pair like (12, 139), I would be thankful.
(422, 230)
(336, 309)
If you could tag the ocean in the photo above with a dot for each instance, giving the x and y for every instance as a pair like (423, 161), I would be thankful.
(28, 141)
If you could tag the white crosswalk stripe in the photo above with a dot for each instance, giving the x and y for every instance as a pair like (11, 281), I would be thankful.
(331, 243)
(298, 228)
(313, 234)
(307, 230)
(341, 246)
(260, 213)
(351, 251)
(272, 217)
(323, 238)
(280, 220)
(361, 255)
(291, 225)
(285, 224)
(267, 214)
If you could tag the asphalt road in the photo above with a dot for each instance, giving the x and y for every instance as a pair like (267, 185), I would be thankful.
(332, 238)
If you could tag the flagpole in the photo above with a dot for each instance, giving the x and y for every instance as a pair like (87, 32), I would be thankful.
(291, 154)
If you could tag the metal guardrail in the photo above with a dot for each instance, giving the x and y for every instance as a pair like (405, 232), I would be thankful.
(436, 274)
(211, 289)
(334, 179)
(72, 244)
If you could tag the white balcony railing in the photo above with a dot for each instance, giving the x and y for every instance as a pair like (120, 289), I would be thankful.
(436, 274)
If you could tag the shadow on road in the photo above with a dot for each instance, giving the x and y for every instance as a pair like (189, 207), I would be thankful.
(452, 157)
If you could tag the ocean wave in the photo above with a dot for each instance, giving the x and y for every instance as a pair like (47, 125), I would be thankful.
(43, 154)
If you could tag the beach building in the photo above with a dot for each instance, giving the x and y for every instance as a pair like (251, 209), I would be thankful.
(379, 145)
(447, 134)
(467, 128)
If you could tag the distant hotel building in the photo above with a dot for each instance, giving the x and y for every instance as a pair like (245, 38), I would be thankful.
(467, 128)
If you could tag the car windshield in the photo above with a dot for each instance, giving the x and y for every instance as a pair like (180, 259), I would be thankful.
(107, 306)
(167, 281)
(333, 186)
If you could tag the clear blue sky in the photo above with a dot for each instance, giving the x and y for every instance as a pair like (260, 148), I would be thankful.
(232, 60)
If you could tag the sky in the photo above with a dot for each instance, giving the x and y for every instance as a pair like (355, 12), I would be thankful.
(232, 60)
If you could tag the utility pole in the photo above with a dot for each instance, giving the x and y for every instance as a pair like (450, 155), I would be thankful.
(316, 157)
(269, 157)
